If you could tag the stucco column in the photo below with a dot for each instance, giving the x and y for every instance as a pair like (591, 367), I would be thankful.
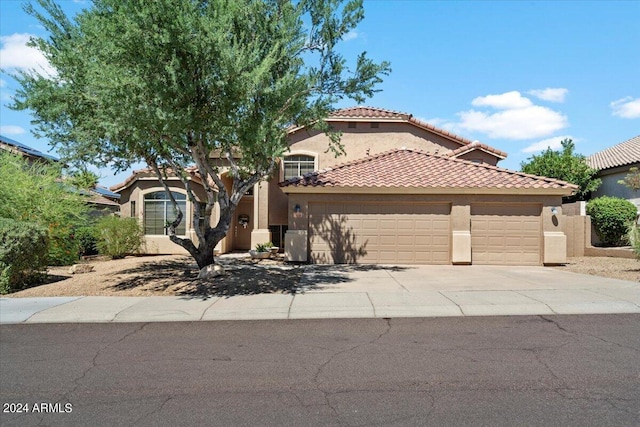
(260, 232)
(461, 233)
(555, 241)
(295, 239)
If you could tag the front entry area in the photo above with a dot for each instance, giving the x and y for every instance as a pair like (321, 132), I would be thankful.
(379, 233)
(243, 225)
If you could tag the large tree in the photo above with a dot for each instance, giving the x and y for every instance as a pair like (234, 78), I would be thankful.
(566, 165)
(210, 83)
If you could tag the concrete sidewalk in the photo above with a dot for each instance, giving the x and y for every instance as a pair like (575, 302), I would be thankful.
(368, 291)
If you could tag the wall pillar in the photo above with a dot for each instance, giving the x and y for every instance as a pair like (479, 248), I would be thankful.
(461, 234)
(260, 232)
(554, 244)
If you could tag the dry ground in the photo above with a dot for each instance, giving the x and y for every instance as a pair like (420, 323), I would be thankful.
(169, 275)
(177, 275)
(616, 268)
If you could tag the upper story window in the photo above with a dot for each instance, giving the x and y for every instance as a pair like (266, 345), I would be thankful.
(298, 165)
(159, 211)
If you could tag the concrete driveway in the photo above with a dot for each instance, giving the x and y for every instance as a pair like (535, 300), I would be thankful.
(360, 291)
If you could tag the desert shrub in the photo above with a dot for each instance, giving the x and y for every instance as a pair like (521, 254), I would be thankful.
(118, 237)
(633, 236)
(36, 193)
(86, 237)
(611, 216)
(23, 254)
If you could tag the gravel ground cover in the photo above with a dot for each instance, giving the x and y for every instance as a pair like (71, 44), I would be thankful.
(177, 275)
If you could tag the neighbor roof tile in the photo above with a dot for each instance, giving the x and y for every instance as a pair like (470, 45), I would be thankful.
(625, 153)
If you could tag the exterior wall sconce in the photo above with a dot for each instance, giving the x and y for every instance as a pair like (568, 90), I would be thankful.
(554, 210)
(297, 211)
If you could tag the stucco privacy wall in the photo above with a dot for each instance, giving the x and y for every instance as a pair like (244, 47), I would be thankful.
(552, 238)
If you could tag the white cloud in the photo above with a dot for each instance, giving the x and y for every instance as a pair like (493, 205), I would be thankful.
(627, 108)
(351, 35)
(553, 143)
(516, 123)
(16, 55)
(11, 130)
(504, 101)
(3, 83)
(550, 94)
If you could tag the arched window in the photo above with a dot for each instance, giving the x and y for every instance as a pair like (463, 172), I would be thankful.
(159, 211)
(298, 165)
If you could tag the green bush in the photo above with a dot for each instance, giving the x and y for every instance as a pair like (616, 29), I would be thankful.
(634, 238)
(23, 254)
(118, 237)
(36, 193)
(611, 216)
(86, 237)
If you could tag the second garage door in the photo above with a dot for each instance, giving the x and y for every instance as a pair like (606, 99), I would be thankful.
(379, 233)
(505, 234)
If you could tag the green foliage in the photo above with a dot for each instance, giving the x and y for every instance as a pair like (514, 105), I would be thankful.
(23, 254)
(86, 237)
(631, 180)
(176, 83)
(611, 216)
(566, 166)
(633, 236)
(84, 179)
(35, 193)
(262, 247)
(118, 237)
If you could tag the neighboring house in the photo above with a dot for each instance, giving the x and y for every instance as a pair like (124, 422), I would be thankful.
(613, 165)
(102, 200)
(406, 192)
(31, 154)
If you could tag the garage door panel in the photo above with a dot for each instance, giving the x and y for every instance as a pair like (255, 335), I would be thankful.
(506, 234)
(381, 233)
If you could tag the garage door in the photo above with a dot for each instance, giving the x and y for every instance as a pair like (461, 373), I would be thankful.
(389, 233)
(505, 234)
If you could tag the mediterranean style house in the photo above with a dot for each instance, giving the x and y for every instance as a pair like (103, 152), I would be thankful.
(406, 192)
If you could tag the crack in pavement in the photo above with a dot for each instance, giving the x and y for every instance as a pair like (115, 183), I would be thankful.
(77, 380)
(153, 411)
(560, 327)
(326, 393)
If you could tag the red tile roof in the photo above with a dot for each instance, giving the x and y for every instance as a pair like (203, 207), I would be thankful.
(625, 153)
(416, 169)
(363, 112)
(476, 146)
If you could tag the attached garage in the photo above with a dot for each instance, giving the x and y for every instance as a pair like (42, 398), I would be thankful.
(410, 207)
(379, 233)
(506, 234)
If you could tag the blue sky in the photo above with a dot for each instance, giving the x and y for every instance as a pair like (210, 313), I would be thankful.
(519, 75)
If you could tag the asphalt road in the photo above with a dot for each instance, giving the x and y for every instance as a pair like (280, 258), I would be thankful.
(494, 371)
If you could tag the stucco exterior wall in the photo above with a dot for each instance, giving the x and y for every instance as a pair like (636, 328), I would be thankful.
(364, 140)
(157, 244)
